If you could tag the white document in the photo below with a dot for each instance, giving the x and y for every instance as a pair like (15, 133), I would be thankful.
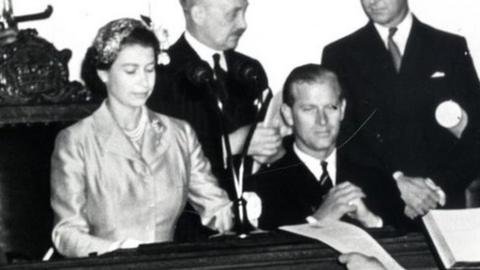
(345, 237)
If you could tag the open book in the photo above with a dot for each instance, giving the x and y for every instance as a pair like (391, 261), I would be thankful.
(456, 236)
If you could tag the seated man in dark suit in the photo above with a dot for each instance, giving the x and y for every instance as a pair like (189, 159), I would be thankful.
(315, 178)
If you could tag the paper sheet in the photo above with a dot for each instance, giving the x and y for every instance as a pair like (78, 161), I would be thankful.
(345, 237)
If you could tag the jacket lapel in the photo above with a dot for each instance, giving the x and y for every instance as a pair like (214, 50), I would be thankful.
(373, 57)
(156, 138)
(111, 137)
(413, 56)
(375, 67)
(303, 182)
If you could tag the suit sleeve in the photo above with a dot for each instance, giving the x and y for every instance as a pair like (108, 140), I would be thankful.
(206, 196)
(461, 168)
(332, 60)
(277, 209)
(383, 197)
(71, 232)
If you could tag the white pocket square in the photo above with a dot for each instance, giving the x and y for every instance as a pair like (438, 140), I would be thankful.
(438, 74)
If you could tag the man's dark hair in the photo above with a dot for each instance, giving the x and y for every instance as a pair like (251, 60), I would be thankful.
(309, 74)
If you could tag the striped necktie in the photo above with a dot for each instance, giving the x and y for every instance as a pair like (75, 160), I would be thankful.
(325, 180)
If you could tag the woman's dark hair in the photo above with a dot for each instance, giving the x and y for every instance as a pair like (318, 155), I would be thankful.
(138, 36)
(108, 43)
(90, 77)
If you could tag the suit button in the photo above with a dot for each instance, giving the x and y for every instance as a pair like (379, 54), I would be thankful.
(379, 137)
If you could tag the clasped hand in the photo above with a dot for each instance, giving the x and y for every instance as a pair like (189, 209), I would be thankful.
(266, 144)
(419, 194)
(346, 198)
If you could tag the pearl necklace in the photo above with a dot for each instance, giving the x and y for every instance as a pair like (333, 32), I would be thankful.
(136, 134)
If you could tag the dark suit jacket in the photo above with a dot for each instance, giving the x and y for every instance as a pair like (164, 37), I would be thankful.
(177, 96)
(401, 132)
(290, 192)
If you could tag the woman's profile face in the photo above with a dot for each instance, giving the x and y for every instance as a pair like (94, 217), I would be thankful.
(131, 78)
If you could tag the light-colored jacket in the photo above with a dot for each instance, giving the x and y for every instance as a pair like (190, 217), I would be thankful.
(103, 190)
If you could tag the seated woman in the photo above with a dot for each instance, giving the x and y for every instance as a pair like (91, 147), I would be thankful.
(122, 176)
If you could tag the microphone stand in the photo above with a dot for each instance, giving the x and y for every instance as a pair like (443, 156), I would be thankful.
(202, 74)
(260, 113)
(242, 226)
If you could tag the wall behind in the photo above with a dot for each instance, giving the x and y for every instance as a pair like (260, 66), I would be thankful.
(281, 34)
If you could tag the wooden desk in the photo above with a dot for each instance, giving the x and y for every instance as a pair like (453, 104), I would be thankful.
(276, 250)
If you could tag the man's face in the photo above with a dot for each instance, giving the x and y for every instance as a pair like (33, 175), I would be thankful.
(223, 23)
(388, 13)
(315, 117)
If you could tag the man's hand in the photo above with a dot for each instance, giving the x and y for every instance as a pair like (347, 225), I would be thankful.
(418, 195)
(266, 142)
(409, 212)
(338, 202)
(254, 207)
(7, 36)
(358, 261)
(364, 215)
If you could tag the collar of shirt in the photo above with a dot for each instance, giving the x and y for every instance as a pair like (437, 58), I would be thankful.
(204, 52)
(313, 164)
(401, 36)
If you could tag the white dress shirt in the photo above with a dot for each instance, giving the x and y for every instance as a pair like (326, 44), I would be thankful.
(402, 34)
(314, 164)
(204, 52)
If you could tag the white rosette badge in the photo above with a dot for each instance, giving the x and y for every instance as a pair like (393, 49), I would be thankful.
(450, 115)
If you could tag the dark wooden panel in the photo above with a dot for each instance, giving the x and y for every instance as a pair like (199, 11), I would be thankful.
(27, 135)
(277, 250)
(25, 215)
(44, 113)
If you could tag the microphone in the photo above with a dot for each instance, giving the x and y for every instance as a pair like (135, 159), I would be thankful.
(199, 73)
(247, 71)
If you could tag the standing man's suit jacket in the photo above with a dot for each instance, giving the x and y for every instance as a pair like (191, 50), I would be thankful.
(290, 192)
(395, 112)
(177, 96)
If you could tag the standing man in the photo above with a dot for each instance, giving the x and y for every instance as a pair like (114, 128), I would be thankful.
(396, 71)
(213, 29)
(316, 179)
